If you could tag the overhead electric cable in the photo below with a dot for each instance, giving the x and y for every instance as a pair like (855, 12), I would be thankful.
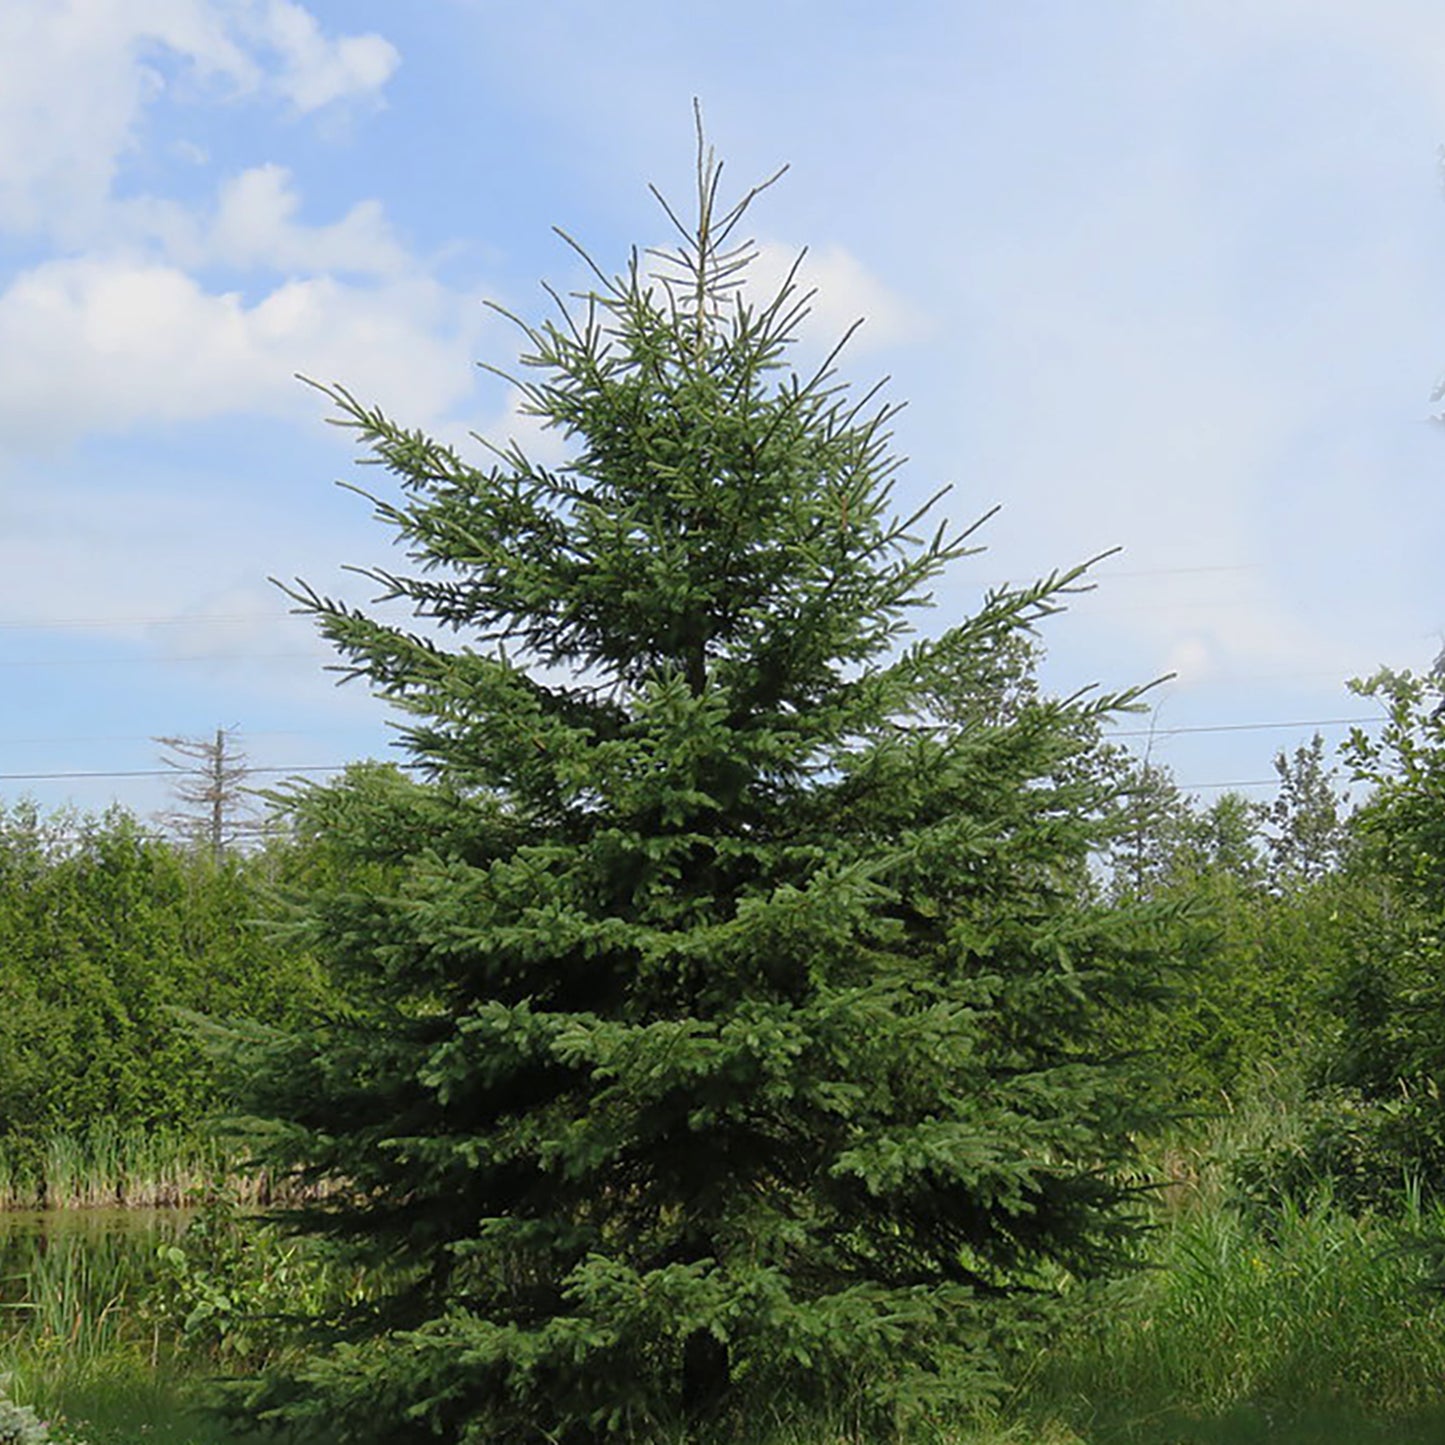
(158, 658)
(149, 621)
(1319, 722)
(157, 773)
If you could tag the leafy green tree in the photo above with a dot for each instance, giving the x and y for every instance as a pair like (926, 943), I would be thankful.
(1224, 838)
(1373, 1124)
(1261, 928)
(1163, 839)
(1403, 820)
(107, 931)
(1309, 833)
(1392, 998)
(1152, 821)
(733, 1015)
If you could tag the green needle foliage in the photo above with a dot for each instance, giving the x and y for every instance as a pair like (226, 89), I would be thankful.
(733, 1014)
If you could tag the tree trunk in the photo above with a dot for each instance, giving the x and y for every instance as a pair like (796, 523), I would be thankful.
(705, 1373)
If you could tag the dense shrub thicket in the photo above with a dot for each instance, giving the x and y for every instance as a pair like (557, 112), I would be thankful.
(107, 934)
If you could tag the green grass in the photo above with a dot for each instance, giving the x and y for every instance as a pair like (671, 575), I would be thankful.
(106, 1166)
(1301, 1323)
(1305, 1326)
(125, 1405)
(92, 1323)
(1312, 1306)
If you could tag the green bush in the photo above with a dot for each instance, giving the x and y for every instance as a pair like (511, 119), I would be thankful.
(110, 932)
(1312, 1309)
(1367, 1155)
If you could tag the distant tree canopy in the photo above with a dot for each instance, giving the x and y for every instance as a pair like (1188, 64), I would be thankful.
(1393, 998)
(1271, 905)
(106, 931)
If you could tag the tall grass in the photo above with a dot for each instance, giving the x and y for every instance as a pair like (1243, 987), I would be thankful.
(1310, 1308)
(1303, 1323)
(71, 1286)
(1295, 1320)
(117, 1322)
(133, 1404)
(107, 1166)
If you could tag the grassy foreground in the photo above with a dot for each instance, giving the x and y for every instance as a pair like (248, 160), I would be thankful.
(1308, 1325)
(1302, 1326)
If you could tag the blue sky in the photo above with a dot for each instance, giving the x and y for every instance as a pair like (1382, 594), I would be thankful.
(1164, 278)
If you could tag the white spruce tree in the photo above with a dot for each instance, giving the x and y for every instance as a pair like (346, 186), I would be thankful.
(732, 1016)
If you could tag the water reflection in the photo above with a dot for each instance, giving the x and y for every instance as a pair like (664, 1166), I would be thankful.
(77, 1276)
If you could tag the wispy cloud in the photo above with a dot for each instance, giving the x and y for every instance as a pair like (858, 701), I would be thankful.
(255, 224)
(128, 325)
(73, 110)
(845, 293)
(315, 69)
(105, 344)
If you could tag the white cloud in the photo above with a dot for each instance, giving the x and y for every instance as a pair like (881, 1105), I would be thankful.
(315, 70)
(190, 152)
(255, 225)
(1249, 634)
(123, 331)
(1190, 660)
(73, 109)
(846, 292)
(109, 344)
(543, 445)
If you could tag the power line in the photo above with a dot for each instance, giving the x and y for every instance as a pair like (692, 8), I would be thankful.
(1179, 571)
(158, 659)
(322, 650)
(1319, 722)
(250, 734)
(146, 621)
(1196, 729)
(156, 773)
(341, 767)
(1237, 783)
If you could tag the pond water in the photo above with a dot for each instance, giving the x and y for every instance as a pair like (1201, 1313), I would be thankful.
(98, 1330)
(80, 1276)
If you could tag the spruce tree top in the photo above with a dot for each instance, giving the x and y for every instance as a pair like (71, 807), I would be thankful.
(723, 524)
(734, 1019)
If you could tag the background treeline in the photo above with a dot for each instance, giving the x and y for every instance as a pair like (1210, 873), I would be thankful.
(1309, 991)
(112, 940)
(1304, 932)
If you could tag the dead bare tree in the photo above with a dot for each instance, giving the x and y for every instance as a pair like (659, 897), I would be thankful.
(217, 808)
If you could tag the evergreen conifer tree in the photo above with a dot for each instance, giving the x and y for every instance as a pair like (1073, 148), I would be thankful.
(731, 1012)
